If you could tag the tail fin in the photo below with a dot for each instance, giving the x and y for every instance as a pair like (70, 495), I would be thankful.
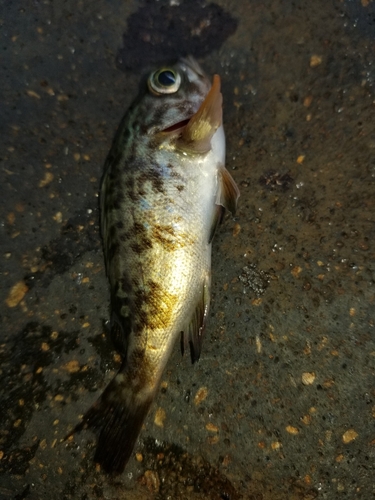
(117, 417)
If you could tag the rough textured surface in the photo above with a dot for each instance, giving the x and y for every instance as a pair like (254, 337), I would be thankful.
(282, 402)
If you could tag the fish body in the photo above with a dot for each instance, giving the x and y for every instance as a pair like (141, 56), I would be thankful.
(162, 195)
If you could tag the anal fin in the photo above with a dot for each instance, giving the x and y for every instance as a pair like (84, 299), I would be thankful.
(228, 192)
(121, 322)
(217, 219)
(193, 333)
(226, 198)
(119, 333)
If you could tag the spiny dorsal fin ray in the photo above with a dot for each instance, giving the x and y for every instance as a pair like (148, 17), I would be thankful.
(196, 136)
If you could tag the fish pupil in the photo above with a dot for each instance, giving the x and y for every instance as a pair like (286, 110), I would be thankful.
(166, 78)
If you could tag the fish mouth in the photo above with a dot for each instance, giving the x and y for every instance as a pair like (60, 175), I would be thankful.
(176, 126)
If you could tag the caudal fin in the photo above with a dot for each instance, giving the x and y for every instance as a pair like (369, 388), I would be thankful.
(117, 418)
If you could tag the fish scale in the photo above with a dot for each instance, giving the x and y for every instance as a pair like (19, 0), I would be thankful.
(162, 195)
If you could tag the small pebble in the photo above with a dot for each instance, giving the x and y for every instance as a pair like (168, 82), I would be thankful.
(48, 177)
(300, 159)
(349, 436)
(306, 419)
(212, 427)
(308, 378)
(200, 395)
(16, 294)
(57, 217)
(159, 417)
(315, 60)
(236, 230)
(276, 445)
(72, 366)
(31, 93)
(152, 481)
(296, 271)
(307, 101)
(292, 430)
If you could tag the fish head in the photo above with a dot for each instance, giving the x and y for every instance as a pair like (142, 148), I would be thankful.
(181, 106)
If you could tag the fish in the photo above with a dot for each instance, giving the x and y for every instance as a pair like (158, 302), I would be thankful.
(163, 193)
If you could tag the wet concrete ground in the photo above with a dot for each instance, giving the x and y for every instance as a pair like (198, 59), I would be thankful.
(282, 402)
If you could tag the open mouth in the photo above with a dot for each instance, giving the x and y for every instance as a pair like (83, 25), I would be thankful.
(177, 126)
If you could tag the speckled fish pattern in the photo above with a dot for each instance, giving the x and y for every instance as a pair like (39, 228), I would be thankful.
(162, 196)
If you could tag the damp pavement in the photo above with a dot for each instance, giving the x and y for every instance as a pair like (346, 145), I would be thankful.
(282, 403)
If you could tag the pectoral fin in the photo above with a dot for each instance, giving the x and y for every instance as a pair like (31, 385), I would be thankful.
(196, 136)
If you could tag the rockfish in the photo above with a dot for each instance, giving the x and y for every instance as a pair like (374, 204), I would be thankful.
(163, 194)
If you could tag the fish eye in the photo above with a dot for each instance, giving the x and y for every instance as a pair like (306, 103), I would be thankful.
(164, 81)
